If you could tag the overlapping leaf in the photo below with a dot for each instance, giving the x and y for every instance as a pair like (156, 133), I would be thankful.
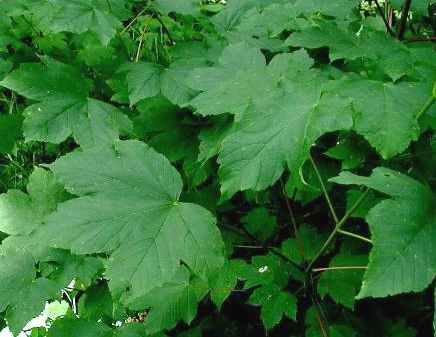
(403, 233)
(132, 211)
(64, 107)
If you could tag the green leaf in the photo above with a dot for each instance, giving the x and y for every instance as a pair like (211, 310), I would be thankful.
(21, 295)
(70, 326)
(280, 130)
(134, 183)
(11, 130)
(403, 232)
(175, 300)
(378, 104)
(238, 66)
(147, 80)
(260, 223)
(275, 304)
(309, 242)
(187, 7)
(101, 17)
(224, 280)
(340, 8)
(22, 213)
(343, 285)
(64, 108)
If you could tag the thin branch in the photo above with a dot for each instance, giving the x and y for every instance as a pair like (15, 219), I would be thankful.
(335, 231)
(324, 190)
(133, 20)
(317, 270)
(354, 235)
(403, 19)
(293, 221)
(383, 16)
(273, 250)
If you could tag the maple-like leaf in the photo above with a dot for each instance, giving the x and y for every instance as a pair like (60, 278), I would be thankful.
(238, 66)
(101, 17)
(279, 129)
(146, 80)
(403, 233)
(385, 113)
(275, 304)
(21, 295)
(21, 213)
(131, 210)
(64, 107)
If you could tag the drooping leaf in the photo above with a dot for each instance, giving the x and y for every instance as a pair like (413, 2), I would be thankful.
(403, 232)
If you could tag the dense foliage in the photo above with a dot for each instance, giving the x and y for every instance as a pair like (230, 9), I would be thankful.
(202, 168)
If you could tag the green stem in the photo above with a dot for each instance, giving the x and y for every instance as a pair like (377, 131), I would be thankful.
(426, 106)
(316, 270)
(354, 235)
(324, 190)
(337, 228)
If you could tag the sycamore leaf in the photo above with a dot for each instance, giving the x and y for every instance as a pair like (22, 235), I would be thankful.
(101, 17)
(308, 244)
(224, 280)
(147, 80)
(391, 56)
(132, 211)
(343, 285)
(384, 112)
(173, 301)
(338, 8)
(21, 213)
(260, 223)
(64, 107)
(238, 66)
(186, 7)
(275, 304)
(279, 130)
(403, 234)
(21, 295)
(78, 327)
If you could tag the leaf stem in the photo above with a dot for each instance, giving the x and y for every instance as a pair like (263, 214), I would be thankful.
(403, 19)
(324, 190)
(354, 235)
(273, 250)
(426, 106)
(316, 270)
(293, 221)
(337, 228)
